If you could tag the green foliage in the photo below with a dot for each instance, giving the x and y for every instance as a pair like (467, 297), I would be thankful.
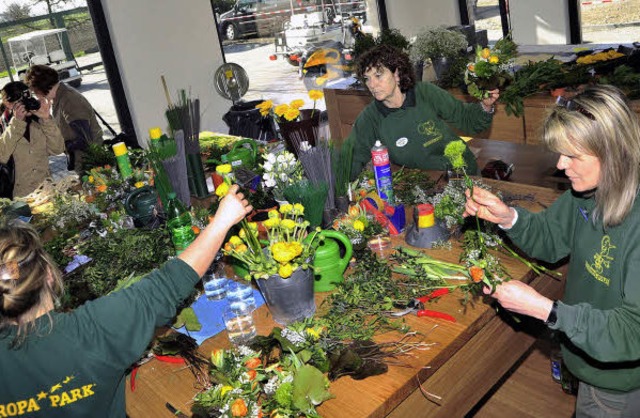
(454, 152)
(310, 388)
(114, 257)
(97, 156)
(626, 79)
(392, 37)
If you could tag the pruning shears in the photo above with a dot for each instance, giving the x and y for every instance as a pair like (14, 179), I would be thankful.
(417, 306)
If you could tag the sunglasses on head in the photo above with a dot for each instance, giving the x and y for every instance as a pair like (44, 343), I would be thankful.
(570, 105)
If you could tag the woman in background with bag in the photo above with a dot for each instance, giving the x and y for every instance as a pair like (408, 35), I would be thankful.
(71, 110)
(30, 136)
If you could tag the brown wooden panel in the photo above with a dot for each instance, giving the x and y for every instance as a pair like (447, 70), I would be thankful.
(343, 107)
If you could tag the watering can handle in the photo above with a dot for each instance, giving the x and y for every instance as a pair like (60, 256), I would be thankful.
(128, 203)
(339, 236)
(252, 144)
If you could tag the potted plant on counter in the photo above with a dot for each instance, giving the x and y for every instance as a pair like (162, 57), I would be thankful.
(439, 45)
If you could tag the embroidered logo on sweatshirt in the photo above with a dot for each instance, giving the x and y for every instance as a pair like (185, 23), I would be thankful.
(429, 129)
(601, 261)
(60, 394)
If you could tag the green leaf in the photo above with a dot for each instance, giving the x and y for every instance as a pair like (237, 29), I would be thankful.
(310, 389)
(188, 318)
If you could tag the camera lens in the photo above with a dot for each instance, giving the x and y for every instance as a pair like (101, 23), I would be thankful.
(30, 103)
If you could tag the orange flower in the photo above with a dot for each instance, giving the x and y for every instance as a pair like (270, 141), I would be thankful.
(253, 363)
(251, 374)
(195, 229)
(102, 188)
(89, 199)
(477, 274)
(239, 408)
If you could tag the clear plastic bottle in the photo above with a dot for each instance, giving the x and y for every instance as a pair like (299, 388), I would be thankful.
(179, 223)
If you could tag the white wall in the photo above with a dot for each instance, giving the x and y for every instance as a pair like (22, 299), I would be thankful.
(409, 16)
(176, 39)
(540, 22)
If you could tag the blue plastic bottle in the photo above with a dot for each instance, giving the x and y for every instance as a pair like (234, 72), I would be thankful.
(382, 172)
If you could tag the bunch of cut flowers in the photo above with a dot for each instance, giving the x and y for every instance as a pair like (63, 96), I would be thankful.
(357, 225)
(288, 112)
(491, 68)
(288, 245)
(281, 170)
(485, 268)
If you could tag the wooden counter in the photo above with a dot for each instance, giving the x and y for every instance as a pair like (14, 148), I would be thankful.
(467, 360)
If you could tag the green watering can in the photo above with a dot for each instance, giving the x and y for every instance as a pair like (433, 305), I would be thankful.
(240, 156)
(140, 205)
(328, 266)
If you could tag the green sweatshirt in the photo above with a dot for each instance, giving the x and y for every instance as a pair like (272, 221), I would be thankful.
(600, 310)
(417, 133)
(78, 368)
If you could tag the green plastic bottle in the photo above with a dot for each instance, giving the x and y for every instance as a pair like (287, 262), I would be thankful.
(179, 223)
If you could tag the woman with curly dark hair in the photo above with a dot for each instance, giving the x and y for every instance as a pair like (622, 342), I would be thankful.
(411, 119)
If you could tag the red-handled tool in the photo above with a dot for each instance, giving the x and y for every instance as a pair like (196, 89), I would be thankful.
(435, 294)
(435, 314)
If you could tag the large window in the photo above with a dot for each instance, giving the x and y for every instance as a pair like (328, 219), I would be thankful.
(610, 22)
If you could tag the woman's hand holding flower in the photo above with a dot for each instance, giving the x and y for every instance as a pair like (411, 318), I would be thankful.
(488, 206)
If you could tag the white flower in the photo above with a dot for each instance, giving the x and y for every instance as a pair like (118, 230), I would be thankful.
(268, 166)
(281, 158)
(271, 158)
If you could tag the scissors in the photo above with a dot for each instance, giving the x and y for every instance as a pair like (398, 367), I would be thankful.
(417, 306)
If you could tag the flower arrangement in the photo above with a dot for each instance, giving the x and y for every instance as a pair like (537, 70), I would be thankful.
(288, 112)
(357, 225)
(281, 170)
(248, 383)
(287, 247)
(490, 68)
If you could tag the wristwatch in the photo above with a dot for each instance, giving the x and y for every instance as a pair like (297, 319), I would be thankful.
(491, 110)
(553, 315)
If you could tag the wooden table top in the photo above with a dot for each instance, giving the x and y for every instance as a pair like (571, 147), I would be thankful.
(158, 383)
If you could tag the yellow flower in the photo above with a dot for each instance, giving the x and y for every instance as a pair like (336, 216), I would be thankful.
(316, 94)
(271, 223)
(358, 225)
(265, 107)
(286, 208)
(222, 190)
(91, 179)
(314, 332)
(223, 169)
(285, 270)
(242, 248)
(139, 184)
(288, 224)
(283, 252)
(273, 213)
(281, 109)
(235, 240)
(225, 389)
(242, 233)
(291, 114)
(493, 59)
(485, 53)
(217, 358)
(298, 209)
(253, 226)
(297, 104)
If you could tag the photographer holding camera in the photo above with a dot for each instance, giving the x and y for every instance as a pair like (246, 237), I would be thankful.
(71, 110)
(30, 135)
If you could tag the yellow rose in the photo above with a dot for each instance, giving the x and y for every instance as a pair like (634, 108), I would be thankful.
(298, 209)
(139, 184)
(291, 114)
(285, 270)
(316, 94)
(358, 225)
(286, 208)
(281, 109)
(222, 190)
(223, 169)
(494, 59)
(485, 53)
(297, 104)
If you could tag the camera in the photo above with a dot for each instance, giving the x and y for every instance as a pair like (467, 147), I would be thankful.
(30, 103)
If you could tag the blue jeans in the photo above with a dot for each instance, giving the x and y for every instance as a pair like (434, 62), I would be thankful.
(596, 403)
